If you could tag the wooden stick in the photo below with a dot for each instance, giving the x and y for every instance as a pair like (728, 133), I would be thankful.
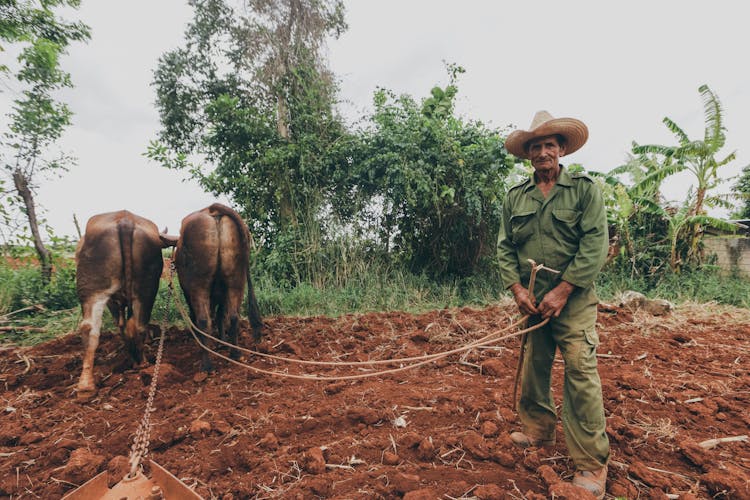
(337, 466)
(535, 268)
(711, 443)
(417, 408)
(21, 328)
(38, 307)
(693, 400)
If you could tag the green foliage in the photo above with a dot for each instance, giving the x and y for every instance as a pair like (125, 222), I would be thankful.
(43, 326)
(37, 120)
(698, 157)
(371, 286)
(51, 308)
(376, 289)
(165, 312)
(706, 283)
(247, 109)
(23, 286)
(438, 182)
(648, 233)
(26, 20)
(256, 104)
(742, 191)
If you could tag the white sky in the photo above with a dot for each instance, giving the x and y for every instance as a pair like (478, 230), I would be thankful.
(618, 66)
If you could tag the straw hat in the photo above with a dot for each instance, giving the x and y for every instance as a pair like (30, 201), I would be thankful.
(543, 125)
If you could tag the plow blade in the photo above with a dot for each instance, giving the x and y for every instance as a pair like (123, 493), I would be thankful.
(162, 485)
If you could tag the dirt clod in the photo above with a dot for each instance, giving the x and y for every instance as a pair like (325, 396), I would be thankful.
(82, 466)
(313, 461)
(489, 492)
(668, 383)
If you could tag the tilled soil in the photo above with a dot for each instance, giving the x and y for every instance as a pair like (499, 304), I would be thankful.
(437, 431)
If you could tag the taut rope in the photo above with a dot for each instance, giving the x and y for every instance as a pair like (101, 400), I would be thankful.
(415, 361)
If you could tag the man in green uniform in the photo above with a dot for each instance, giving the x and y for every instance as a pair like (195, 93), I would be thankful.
(558, 219)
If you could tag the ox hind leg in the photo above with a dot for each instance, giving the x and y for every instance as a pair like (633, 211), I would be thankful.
(90, 330)
(200, 311)
(119, 314)
(230, 319)
(136, 327)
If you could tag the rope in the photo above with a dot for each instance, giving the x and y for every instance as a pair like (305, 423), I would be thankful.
(430, 358)
(419, 360)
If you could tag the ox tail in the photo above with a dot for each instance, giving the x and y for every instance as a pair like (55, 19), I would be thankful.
(125, 230)
(253, 311)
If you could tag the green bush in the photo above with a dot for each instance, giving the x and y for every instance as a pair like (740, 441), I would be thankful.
(362, 282)
(61, 293)
(700, 284)
(23, 286)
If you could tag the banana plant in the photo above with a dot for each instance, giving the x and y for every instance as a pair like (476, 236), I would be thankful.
(700, 157)
(629, 208)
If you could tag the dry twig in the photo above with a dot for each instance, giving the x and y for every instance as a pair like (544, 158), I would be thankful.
(712, 443)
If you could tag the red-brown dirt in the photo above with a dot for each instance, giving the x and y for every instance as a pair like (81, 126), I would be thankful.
(437, 431)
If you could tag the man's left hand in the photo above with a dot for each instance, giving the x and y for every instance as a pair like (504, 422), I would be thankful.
(554, 301)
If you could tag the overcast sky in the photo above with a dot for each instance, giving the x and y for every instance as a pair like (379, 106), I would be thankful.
(618, 66)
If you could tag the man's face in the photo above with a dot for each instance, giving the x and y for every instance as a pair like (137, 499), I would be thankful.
(545, 153)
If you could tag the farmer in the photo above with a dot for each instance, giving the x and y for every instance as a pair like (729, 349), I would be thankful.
(557, 218)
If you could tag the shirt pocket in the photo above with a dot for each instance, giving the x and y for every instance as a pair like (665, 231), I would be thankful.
(566, 223)
(522, 226)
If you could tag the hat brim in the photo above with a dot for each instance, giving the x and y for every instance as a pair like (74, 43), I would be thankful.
(575, 132)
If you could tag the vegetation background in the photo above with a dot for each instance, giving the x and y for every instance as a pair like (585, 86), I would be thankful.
(399, 211)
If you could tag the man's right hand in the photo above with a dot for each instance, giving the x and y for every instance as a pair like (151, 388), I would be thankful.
(526, 304)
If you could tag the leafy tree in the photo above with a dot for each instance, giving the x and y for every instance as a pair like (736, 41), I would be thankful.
(438, 180)
(680, 221)
(635, 214)
(25, 21)
(37, 120)
(247, 109)
(698, 157)
(250, 95)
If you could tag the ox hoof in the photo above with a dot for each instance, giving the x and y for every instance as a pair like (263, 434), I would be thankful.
(84, 395)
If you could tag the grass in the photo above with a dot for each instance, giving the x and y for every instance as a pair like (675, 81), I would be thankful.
(373, 292)
(706, 284)
(365, 291)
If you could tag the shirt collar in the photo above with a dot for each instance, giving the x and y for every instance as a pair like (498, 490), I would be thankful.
(564, 179)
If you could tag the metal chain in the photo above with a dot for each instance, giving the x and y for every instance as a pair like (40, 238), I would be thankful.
(139, 450)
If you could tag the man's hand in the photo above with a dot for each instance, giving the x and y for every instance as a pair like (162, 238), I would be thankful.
(553, 303)
(526, 304)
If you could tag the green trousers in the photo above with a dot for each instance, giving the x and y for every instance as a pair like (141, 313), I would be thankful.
(583, 409)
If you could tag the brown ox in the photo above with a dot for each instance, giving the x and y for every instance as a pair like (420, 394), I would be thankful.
(118, 264)
(212, 257)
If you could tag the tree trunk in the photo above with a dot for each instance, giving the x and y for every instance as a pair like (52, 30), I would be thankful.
(45, 258)
(286, 206)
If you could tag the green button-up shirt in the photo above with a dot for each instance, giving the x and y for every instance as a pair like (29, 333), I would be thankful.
(566, 231)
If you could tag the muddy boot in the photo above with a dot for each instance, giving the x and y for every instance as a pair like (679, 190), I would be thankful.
(594, 481)
(521, 440)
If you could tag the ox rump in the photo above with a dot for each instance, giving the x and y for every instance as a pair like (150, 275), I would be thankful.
(212, 261)
(118, 265)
